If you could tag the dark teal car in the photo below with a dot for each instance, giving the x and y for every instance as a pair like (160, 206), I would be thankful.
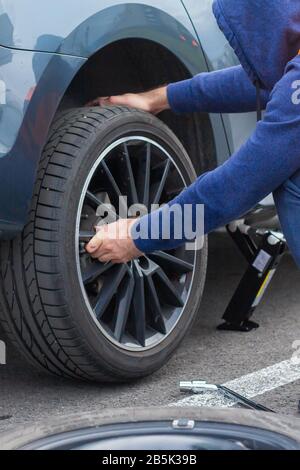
(61, 161)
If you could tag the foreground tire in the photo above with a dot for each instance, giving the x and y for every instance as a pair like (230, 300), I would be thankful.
(77, 317)
(159, 429)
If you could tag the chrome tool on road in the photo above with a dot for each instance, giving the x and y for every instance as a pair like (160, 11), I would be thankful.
(200, 386)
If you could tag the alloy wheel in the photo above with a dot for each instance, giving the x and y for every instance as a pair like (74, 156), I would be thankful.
(136, 305)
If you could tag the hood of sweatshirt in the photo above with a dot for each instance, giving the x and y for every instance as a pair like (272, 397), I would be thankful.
(265, 35)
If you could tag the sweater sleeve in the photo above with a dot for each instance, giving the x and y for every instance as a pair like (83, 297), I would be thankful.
(224, 91)
(262, 164)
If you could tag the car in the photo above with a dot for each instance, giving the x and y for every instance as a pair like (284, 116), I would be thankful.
(62, 161)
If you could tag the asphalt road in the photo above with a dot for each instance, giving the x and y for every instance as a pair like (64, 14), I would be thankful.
(218, 357)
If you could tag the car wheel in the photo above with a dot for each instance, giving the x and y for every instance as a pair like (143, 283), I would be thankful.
(73, 315)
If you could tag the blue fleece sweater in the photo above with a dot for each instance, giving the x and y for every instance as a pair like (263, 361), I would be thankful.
(266, 38)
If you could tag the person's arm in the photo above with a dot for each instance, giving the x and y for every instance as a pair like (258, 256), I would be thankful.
(264, 162)
(224, 91)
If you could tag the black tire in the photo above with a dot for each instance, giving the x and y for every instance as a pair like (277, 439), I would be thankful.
(156, 428)
(43, 308)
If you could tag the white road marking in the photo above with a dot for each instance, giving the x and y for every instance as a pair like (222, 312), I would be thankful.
(249, 386)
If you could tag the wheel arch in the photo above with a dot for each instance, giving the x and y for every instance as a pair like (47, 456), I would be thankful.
(159, 30)
(136, 65)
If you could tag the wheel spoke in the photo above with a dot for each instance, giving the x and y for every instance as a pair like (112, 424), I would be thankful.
(139, 307)
(111, 179)
(155, 307)
(168, 292)
(162, 182)
(93, 200)
(115, 187)
(170, 262)
(147, 176)
(97, 204)
(124, 299)
(93, 271)
(109, 289)
(132, 186)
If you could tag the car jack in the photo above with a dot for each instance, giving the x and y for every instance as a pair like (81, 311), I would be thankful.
(263, 250)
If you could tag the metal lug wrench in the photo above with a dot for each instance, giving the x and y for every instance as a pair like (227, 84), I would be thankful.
(201, 386)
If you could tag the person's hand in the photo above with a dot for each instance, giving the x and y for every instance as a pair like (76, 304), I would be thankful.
(154, 101)
(113, 243)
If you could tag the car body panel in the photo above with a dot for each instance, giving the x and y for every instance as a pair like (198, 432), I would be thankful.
(68, 27)
(30, 101)
(38, 63)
